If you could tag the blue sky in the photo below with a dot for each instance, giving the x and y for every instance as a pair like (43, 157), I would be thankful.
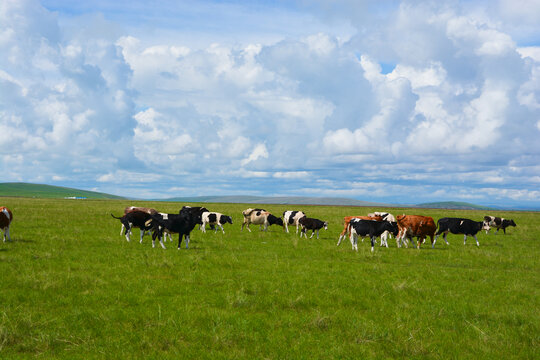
(390, 101)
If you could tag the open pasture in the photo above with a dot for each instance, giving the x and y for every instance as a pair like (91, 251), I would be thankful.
(73, 287)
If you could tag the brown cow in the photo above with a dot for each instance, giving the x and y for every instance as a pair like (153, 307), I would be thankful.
(346, 227)
(6, 217)
(415, 226)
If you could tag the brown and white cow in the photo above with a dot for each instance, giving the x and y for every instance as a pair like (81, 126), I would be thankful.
(415, 226)
(347, 228)
(6, 217)
(259, 217)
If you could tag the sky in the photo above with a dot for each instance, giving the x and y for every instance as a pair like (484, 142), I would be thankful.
(400, 102)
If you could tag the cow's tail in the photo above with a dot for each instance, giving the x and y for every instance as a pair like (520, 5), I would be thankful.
(116, 216)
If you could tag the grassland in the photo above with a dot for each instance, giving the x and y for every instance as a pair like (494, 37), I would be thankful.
(73, 288)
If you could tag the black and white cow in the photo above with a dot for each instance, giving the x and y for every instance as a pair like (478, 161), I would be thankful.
(181, 224)
(291, 217)
(136, 219)
(373, 229)
(466, 227)
(497, 222)
(386, 216)
(214, 218)
(311, 224)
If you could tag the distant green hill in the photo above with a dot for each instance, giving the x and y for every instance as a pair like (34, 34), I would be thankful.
(49, 191)
(454, 205)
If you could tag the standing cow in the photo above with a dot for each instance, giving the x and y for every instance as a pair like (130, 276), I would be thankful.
(291, 217)
(415, 226)
(311, 224)
(466, 227)
(373, 229)
(260, 217)
(497, 222)
(214, 218)
(6, 217)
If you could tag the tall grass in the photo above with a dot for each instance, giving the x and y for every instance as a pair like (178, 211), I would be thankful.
(72, 287)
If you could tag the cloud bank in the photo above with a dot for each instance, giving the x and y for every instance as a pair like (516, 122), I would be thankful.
(407, 102)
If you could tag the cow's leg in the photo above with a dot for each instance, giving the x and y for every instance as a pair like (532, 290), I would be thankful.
(340, 238)
(444, 237)
(286, 226)
(354, 240)
(465, 240)
(4, 234)
(187, 241)
(475, 238)
(127, 233)
(179, 240)
(122, 229)
(8, 236)
(142, 234)
(161, 240)
(222, 229)
(372, 243)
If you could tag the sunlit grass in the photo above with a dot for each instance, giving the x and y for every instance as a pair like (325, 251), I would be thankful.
(72, 287)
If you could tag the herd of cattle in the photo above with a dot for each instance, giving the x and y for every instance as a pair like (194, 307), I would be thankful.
(375, 225)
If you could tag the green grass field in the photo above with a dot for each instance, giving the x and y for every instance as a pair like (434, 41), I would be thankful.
(74, 288)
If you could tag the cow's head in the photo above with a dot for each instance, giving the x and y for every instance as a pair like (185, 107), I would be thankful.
(225, 219)
(274, 220)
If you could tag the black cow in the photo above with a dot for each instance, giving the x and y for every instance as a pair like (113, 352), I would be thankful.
(373, 229)
(311, 224)
(134, 219)
(466, 227)
(181, 224)
(497, 222)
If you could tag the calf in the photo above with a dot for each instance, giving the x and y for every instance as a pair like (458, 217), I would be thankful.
(260, 217)
(6, 217)
(373, 229)
(134, 219)
(214, 218)
(497, 222)
(311, 224)
(415, 226)
(458, 226)
(347, 220)
(181, 224)
(291, 218)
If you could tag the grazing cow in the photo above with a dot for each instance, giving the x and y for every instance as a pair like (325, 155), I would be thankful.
(6, 217)
(415, 226)
(214, 218)
(181, 224)
(134, 219)
(291, 217)
(137, 208)
(259, 217)
(311, 224)
(458, 226)
(347, 220)
(497, 222)
(373, 229)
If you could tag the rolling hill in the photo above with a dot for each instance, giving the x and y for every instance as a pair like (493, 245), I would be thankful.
(50, 191)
